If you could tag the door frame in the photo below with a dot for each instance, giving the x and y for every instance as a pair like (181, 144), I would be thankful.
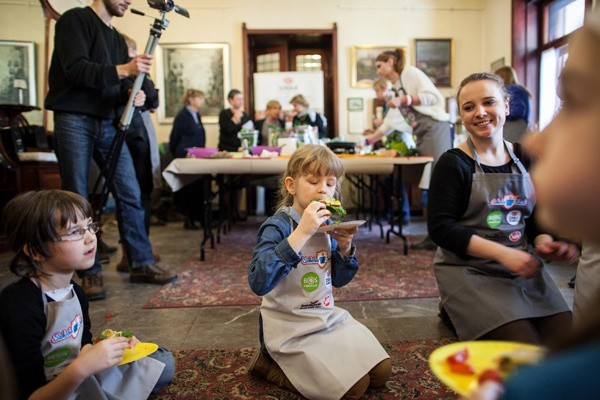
(331, 74)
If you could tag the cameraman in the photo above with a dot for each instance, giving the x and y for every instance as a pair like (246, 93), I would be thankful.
(88, 87)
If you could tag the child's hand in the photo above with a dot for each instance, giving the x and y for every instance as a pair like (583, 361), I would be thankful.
(102, 355)
(558, 250)
(315, 214)
(344, 239)
(133, 341)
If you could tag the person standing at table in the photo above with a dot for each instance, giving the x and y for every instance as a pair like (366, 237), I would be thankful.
(231, 122)
(517, 121)
(88, 88)
(308, 345)
(188, 131)
(272, 119)
(422, 106)
(304, 115)
(489, 266)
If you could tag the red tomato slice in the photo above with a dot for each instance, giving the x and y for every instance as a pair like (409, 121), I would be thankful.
(461, 368)
(458, 357)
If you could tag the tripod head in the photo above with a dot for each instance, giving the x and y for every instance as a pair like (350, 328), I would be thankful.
(167, 6)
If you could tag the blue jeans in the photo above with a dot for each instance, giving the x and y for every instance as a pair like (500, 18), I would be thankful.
(76, 138)
(166, 377)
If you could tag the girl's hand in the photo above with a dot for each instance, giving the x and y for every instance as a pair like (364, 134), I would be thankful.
(102, 355)
(314, 215)
(520, 262)
(394, 102)
(558, 250)
(133, 341)
(488, 390)
(344, 239)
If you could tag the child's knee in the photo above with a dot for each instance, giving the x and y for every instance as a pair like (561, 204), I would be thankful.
(381, 373)
(358, 389)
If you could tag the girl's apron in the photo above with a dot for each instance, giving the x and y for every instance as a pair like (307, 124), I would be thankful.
(321, 349)
(481, 295)
(61, 346)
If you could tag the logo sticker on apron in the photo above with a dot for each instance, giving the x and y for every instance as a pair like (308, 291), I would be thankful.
(56, 357)
(513, 217)
(494, 219)
(515, 236)
(310, 281)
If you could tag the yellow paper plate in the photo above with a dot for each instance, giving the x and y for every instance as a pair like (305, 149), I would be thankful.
(140, 350)
(482, 355)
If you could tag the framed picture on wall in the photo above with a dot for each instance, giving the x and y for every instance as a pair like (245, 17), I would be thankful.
(17, 73)
(434, 57)
(202, 66)
(355, 104)
(362, 63)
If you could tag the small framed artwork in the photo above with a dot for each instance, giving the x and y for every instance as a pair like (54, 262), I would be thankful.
(434, 57)
(355, 104)
(362, 63)
(496, 64)
(201, 66)
(17, 73)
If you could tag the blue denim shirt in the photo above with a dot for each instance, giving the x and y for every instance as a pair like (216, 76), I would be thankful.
(273, 256)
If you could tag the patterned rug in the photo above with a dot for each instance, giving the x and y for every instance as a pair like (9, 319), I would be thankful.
(220, 374)
(385, 273)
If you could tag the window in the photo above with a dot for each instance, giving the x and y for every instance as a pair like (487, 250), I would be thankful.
(552, 62)
(267, 62)
(308, 62)
(563, 17)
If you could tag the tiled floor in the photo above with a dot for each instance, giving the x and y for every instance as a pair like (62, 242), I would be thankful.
(231, 327)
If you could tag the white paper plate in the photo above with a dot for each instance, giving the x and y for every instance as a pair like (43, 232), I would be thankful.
(341, 225)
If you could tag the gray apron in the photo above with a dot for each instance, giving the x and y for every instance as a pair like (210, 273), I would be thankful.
(62, 343)
(321, 349)
(481, 295)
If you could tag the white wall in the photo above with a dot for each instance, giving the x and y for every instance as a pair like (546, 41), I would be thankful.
(480, 30)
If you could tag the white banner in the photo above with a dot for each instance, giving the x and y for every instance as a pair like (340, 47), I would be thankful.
(282, 86)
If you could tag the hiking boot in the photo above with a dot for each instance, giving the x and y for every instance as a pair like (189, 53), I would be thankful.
(151, 273)
(93, 286)
(123, 265)
(103, 247)
(259, 365)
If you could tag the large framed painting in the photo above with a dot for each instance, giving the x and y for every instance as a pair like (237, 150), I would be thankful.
(434, 57)
(362, 62)
(202, 66)
(17, 73)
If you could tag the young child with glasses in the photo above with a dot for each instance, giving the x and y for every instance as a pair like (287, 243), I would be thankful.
(44, 317)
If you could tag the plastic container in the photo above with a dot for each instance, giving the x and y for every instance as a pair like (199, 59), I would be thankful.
(200, 152)
(257, 150)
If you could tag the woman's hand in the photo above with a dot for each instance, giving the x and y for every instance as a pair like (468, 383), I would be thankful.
(344, 239)
(102, 355)
(520, 262)
(395, 102)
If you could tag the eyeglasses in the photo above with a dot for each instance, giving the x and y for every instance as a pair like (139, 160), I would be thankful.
(79, 234)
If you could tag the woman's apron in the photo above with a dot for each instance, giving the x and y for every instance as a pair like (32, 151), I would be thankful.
(481, 295)
(321, 349)
(432, 136)
(61, 346)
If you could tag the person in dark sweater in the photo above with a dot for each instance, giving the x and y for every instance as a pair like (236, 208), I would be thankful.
(231, 122)
(187, 132)
(44, 316)
(88, 87)
(489, 262)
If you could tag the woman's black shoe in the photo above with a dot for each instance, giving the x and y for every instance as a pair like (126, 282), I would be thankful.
(190, 225)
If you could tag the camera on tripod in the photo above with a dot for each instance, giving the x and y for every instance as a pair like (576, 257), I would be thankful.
(167, 6)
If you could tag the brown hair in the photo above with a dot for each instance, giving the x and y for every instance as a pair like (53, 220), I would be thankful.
(312, 159)
(509, 76)
(483, 76)
(273, 104)
(397, 55)
(190, 94)
(33, 218)
(299, 99)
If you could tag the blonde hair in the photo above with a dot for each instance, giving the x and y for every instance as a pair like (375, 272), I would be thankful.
(508, 75)
(299, 99)
(311, 159)
(190, 94)
(273, 104)
(382, 84)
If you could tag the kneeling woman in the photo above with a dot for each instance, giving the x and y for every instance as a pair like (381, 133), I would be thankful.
(489, 264)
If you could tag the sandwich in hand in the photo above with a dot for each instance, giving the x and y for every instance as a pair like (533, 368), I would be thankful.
(334, 206)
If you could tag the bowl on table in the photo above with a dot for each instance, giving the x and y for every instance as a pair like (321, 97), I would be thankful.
(200, 152)
(257, 150)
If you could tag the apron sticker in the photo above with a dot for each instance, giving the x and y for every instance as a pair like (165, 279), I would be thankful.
(310, 281)
(513, 217)
(515, 236)
(311, 306)
(71, 331)
(56, 357)
(327, 301)
(328, 278)
(508, 201)
(494, 219)
(320, 258)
